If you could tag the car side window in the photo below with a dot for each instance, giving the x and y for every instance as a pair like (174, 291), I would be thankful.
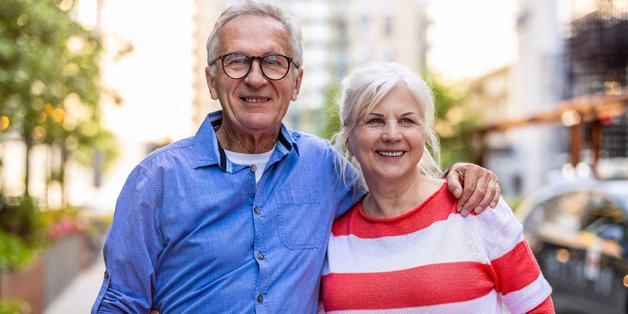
(561, 214)
(604, 218)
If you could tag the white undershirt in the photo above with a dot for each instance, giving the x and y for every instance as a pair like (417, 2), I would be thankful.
(259, 160)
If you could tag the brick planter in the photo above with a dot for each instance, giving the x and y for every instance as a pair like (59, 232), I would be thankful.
(43, 280)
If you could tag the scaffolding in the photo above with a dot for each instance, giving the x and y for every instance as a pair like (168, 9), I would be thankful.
(597, 63)
(595, 105)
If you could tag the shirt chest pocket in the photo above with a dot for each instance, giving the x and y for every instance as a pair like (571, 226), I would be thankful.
(302, 222)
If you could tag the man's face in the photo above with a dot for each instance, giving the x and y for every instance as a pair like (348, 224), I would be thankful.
(253, 104)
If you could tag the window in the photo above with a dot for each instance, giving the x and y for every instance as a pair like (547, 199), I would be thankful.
(389, 12)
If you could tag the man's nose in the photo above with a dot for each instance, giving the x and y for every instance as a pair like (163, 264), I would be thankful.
(255, 77)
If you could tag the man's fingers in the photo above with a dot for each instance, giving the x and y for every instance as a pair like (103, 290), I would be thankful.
(453, 184)
(491, 196)
(475, 185)
(497, 192)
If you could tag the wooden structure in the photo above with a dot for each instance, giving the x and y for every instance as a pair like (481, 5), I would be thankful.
(574, 114)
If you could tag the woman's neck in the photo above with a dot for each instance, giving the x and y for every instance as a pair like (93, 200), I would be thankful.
(388, 200)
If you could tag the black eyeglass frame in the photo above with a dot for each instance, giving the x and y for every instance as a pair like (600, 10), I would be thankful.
(253, 58)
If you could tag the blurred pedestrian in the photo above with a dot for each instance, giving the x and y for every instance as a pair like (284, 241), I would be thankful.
(237, 217)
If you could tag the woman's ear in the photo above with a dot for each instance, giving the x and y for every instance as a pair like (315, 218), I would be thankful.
(349, 148)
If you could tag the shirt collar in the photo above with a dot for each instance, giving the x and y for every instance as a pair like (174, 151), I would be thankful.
(208, 149)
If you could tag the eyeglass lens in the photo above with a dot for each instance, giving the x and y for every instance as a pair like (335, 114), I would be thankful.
(238, 65)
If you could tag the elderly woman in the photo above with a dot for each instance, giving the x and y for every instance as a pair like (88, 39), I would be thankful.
(404, 248)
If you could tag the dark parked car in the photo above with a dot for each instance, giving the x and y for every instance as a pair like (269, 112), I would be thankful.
(578, 231)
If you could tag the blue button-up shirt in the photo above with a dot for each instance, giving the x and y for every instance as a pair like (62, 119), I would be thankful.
(194, 233)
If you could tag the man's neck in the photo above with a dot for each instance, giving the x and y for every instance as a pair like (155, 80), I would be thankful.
(249, 143)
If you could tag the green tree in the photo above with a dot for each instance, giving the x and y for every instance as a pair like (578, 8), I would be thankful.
(332, 122)
(455, 123)
(50, 83)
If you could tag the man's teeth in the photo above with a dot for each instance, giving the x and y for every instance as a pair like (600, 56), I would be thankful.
(255, 99)
(390, 154)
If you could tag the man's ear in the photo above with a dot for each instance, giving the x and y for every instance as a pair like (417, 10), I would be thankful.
(211, 84)
(297, 84)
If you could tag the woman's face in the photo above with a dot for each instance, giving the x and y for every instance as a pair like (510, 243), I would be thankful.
(388, 142)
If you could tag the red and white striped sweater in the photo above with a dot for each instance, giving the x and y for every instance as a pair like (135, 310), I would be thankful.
(432, 260)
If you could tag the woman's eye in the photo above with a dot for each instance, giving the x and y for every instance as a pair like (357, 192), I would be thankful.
(374, 122)
(406, 121)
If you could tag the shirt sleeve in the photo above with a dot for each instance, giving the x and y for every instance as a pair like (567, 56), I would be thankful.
(346, 182)
(517, 275)
(131, 249)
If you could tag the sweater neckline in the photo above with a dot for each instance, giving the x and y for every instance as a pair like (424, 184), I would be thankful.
(423, 204)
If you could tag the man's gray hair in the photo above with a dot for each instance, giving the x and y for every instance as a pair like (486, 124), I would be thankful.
(249, 7)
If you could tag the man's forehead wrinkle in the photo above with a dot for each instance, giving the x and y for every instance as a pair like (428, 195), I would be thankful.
(238, 36)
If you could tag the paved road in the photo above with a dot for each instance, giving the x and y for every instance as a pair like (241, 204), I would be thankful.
(79, 296)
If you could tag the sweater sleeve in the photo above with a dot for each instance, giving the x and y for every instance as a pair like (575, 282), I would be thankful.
(516, 272)
(546, 307)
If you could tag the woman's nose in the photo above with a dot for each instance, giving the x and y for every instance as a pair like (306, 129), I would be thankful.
(391, 132)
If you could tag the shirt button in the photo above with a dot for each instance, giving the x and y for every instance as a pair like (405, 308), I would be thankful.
(257, 210)
(260, 256)
(260, 298)
(253, 168)
(106, 274)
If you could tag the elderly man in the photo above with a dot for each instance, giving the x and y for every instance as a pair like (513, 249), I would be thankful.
(236, 218)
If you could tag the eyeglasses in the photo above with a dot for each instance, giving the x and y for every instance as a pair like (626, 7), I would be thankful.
(238, 65)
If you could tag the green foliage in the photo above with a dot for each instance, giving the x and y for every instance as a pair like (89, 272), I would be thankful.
(48, 61)
(21, 232)
(14, 252)
(50, 81)
(15, 306)
(25, 230)
(20, 216)
(454, 124)
(331, 113)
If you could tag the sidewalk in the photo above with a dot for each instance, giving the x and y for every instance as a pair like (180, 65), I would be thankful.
(79, 296)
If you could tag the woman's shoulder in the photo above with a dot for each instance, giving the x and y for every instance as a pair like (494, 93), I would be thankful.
(432, 185)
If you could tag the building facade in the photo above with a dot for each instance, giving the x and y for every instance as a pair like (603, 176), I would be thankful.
(569, 97)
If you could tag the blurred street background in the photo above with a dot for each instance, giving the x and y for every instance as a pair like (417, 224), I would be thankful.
(534, 90)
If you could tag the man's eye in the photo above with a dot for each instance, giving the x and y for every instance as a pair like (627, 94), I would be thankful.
(274, 61)
(233, 61)
(239, 61)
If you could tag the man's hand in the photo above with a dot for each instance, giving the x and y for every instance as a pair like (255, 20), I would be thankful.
(475, 187)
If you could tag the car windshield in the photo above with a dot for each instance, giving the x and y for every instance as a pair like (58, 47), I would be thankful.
(569, 216)
(620, 193)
